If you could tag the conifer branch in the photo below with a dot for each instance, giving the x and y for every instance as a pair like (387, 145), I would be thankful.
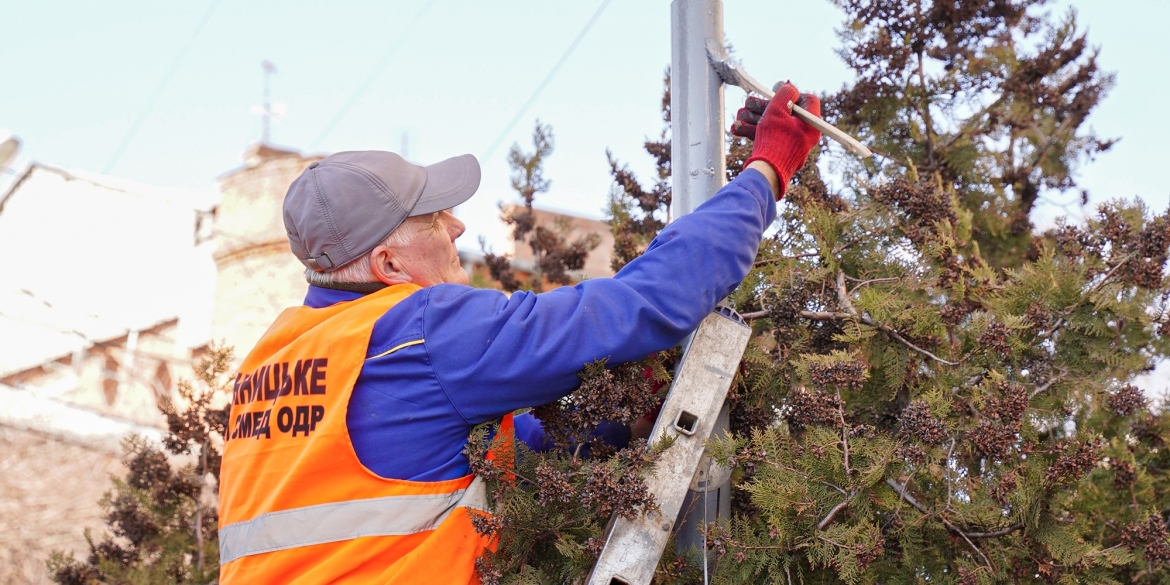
(843, 298)
(890, 331)
(825, 316)
(1006, 530)
(889, 157)
(845, 461)
(838, 488)
(986, 561)
(924, 108)
(844, 436)
(871, 281)
(1045, 386)
(843, 294)
(905, 495)
(1046, 143)
(864, 320)
(1061, 322)
(741, 546)
(901, 491)
(832, 542)
(810, 315)
(947, 470)
(803, 475)
(1109, 274)
(837, 250)
(974, 122)
(1055, 327)
(775, 259)
(833, 513)
(863, 238)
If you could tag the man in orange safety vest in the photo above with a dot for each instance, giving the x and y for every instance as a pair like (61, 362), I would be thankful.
(344, 455)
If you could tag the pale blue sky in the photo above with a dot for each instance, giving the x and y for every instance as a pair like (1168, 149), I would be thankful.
(77, 74)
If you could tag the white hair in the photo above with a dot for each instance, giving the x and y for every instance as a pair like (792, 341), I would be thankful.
(358, 271)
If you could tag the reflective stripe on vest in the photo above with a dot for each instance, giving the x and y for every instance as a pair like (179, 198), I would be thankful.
(387, 516)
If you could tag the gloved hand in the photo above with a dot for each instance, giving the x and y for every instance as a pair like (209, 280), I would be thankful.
(781, 140)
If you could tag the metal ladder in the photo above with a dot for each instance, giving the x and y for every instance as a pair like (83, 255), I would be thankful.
(688, 417)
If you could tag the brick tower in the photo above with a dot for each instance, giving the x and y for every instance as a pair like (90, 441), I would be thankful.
(257, 275)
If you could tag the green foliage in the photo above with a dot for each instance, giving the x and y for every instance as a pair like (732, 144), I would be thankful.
(550, 508)
(555, 256)
(161, 518)
(934, 393)
(940, 421)
(989, 99)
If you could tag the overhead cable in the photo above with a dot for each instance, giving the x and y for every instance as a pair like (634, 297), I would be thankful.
(373, 73)
(547, 78)
(162, 85)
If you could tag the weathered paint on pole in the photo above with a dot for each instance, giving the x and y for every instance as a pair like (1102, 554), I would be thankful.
(696, 104)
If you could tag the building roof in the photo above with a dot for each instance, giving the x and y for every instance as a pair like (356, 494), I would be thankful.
(25, 409)
(572, 227)
(90, 257)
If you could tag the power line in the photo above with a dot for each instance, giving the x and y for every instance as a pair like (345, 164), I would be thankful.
(373, 74)
(540, 88)
(166, 79)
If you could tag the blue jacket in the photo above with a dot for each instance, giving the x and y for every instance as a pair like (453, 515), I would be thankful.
(449, 356)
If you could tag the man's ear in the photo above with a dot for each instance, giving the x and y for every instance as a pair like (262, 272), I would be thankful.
(387, 268)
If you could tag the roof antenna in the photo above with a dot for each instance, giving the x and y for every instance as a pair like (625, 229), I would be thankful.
(266, 114)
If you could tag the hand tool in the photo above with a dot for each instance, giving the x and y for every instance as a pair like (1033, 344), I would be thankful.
(731, 74)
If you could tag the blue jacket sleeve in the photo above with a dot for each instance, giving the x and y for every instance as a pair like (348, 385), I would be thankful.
(493, 354)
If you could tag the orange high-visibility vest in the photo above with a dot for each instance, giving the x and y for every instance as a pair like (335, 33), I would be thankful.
(295, 504)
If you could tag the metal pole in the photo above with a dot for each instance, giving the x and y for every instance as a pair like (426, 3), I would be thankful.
(696, 104)
(691, 490)
(698, 171)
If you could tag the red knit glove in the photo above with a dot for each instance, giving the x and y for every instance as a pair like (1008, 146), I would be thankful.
(781, 139)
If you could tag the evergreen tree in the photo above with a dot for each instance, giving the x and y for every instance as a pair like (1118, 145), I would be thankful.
(987, 98)
(555, 256)
(161, 518)
(934, 392)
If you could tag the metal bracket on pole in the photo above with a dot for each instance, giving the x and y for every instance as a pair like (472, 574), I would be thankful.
(701, 381)
(732, 74)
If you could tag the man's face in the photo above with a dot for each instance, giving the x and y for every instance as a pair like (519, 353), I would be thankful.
(431, 256)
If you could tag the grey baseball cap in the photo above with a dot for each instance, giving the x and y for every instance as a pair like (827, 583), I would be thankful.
(345, 204)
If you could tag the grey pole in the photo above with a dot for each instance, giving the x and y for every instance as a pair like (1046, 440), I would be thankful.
(698, 169)
(690, 490)
(696, 104)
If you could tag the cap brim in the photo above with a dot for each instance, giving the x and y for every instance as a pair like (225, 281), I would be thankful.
(449, 183)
